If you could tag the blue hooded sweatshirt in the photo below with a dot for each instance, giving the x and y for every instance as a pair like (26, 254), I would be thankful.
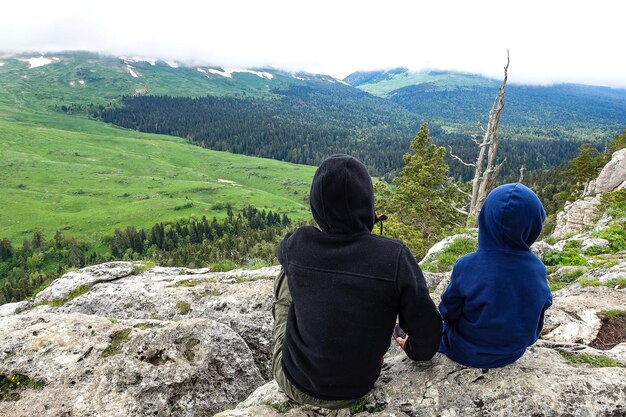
(494, 306)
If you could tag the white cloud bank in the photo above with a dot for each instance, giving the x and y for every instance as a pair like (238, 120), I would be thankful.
(550, 41)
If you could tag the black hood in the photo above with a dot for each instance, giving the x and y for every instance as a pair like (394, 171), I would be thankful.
(342, 196)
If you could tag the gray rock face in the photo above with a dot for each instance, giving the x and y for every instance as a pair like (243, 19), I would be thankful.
(583, 213)
(604, 275)
(576, 216)
(435, 279)
(239, 299)
(202, 342)
(574, 316)
(613, 175)
(93, 367)
(11, 308)
(541, 383)
(181, 342)
(444, 243)
(540, 247)
(594, 243)
(86, 277)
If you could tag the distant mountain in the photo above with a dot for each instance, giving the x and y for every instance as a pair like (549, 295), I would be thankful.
(301, 117)
(458, 101)
(295, 117)
(79, 77)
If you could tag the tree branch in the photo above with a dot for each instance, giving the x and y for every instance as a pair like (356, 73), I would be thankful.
(459, 159)
(459, 210)
(455, 185)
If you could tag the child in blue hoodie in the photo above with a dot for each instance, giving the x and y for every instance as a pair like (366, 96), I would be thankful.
(494, 306)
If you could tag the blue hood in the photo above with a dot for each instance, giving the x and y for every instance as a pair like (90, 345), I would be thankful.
(342, 196)
(511, 218)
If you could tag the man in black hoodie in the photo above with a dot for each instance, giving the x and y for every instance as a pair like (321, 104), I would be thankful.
(340, 292)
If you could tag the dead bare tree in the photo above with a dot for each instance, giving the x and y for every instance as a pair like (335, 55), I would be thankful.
(485, 176)
(521, 174)
(484, 180)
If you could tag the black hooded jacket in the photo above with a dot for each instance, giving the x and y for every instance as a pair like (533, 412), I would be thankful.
(348, 285)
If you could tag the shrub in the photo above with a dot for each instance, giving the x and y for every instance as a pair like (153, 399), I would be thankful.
(593, 282)
(256, 263)
(569, 256)
(559, 281)
(444, 260)
(615, 203)
(616, 235)
(223, 266)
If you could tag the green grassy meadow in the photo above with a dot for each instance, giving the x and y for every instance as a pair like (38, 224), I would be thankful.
(65, 171)
(441, 80)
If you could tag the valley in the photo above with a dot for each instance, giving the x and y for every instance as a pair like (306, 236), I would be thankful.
(120, 157)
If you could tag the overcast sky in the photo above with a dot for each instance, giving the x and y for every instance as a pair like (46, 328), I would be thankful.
(549, 40)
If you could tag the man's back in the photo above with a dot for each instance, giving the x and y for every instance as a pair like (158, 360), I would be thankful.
(347, 287)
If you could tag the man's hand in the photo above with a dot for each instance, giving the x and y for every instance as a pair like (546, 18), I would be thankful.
(399, 336)
(401, 341)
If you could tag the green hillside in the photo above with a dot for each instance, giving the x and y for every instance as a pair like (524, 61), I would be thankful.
(88, 78)
(64, 171)
(383, 83)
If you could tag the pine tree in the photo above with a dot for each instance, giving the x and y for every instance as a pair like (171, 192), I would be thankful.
(6, 249)
(421, 208)
(617, 143)
(585, 166)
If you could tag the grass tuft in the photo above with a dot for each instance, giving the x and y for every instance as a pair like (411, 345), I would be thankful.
(139, 268)
(118, 339)
(599, 361)
(183, 306)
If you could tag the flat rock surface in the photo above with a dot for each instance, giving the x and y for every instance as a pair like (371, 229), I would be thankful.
(182, 342)
(541, 383)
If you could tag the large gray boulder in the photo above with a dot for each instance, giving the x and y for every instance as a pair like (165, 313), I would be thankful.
(613, 175)
(577, 216)
(240, 299)
(604, 275)
(583, 213)
(93, 366)
(84, 279)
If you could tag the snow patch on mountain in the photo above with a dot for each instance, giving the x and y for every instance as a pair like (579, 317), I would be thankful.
(172, 64)
(130, 69)
(201, 70)
(228, 72)
(40, 61)
(260, 74)
(1, 64)
(135, 59)
(225, 73)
